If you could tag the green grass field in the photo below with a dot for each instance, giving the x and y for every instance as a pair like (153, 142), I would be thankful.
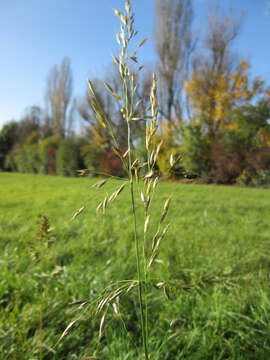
(215, 259)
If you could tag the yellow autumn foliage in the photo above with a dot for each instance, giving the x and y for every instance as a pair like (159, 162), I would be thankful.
(213, 95)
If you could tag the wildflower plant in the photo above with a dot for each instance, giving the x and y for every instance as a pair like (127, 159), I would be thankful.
(140, 174)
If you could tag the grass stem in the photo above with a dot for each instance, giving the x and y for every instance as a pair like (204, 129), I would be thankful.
(140, 292)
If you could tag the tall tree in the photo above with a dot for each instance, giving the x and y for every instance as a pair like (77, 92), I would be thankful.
(58, 95)
(218, 82)
(173, 34)
(8, 137)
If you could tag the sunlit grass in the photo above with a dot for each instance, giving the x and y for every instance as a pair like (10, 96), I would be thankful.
(216, 258)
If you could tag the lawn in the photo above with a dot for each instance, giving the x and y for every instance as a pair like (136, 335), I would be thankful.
(215, 261)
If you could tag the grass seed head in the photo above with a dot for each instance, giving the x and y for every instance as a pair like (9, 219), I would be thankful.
(99, 207)
(152, 259)
(101, 327)
(115, 308)
(99, 184)
(171, 160)
(131, 286)
(142, 197)
(155, 182)
(154, 241)
(104, 205)
(118, 192)
(149, 175)
(67, 330)
(165, 209)
(77, 213)
(127, 6)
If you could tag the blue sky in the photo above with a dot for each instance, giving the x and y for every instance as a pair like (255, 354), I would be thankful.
(36, 34)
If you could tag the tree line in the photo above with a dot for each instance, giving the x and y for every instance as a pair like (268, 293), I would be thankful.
(214, 115)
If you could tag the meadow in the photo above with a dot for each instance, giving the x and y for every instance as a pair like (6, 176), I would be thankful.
(215, 260)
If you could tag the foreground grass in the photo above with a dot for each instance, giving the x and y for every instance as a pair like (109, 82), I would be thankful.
(216, 260)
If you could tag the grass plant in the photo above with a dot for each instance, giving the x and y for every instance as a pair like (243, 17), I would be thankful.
(141, 171)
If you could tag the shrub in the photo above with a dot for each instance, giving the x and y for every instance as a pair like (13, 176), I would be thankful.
(195, 151)
(109, 163)
(91, 157)
(24, 159)
(67, 158)
(168, 148)
(47, 154)
(260, 178)
(226, 165)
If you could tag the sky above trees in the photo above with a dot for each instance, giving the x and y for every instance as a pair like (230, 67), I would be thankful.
(35, 35)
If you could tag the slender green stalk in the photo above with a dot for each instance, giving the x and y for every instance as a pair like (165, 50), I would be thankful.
(145, 345)
(41, 299)
(145, 283)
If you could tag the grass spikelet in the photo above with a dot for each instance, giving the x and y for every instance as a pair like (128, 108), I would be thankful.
(99, 184)
(131, 286)
(154, 241)
(118, 192)
(127, 6)
(165, 209)
(152, 259)
(161, 237)
(175, 335)
(91, 87)
(155, 182)
(115, 294)
(175, 322)
(78, 212)
(146, 224)
(104, 205)
(171, 160)
(126, 153)
(102, 303)
(99, 207)
(82, 172)
(149, 175)
(67, 330)
(101, 327)
(149, 187)
(160, 285)
(157, 151)
(115, 308)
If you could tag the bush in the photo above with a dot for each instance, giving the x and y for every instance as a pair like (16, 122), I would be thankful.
(111, 164)
(91, 157)
(47, 153)
(260, 179)
(196, 152)
(226, 165)
(24, 159)
(67, 158)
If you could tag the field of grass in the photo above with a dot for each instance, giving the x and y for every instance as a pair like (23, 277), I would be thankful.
(215, 259)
